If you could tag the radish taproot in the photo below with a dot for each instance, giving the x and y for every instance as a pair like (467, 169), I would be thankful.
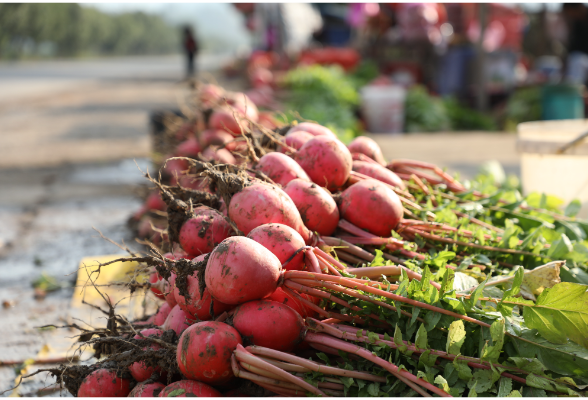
(317, 207)
(178, 320)
(240, 269)
(359, 200)
(280, 168)
(104, 383)
(283, 242)
(261, 203)
(269, 324)
(203, 232)
(195, 305)
(326, 161)
(147, 390)
(204, 352)
(379, 173)
(139, 370)
(189, 388)
(368, 147)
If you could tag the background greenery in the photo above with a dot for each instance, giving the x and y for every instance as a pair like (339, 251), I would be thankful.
(65, 30)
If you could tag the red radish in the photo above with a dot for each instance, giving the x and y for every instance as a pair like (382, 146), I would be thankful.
(189, 148)
(379, 173)
(175, 167)
(359, 201)
(178, 320)
(204, 352)
(285, 298)
(216, 137)
(203, 232)
(161, 314)
(317, 207)
(313, 129)
(280, 168)
(140, 371)
(197, 306)
(326, 161)
(223, 208)
(283, 242)
(296, 140)
(268, 120)
(104, 383)
(222, 118)
(210, 95)
(269, 324)
(367, 146)
(262, 203)
(244, 105)
(222, 156)
(185, 131)
(154, 278)
(147, 390)
(240, 269)
(188, 388)
(261, 77)
(152, 202)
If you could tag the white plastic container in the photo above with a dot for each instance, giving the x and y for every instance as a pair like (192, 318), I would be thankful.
(383, 108)
(543, 170)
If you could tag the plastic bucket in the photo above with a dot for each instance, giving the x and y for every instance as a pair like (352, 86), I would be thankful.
(543, 170)
(562, 102)
(383, 108)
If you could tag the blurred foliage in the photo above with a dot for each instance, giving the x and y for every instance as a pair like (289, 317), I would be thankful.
(522, 106)
(364, 73)
(426, 113)
(46, 29)
(324, 95)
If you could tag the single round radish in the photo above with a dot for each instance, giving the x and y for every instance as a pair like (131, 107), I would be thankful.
(147, 390)
(204, 352)
(326, 161)
(240, 269)
(195, 183)
(367, 146)
(262, 203)
(317, 207)
(280, 168)
(378, 172)
(313, 129)
(222, 118)
(189, 388)
(269, 324)
(178, 320)
(197, 306)
(261, 77)
(243, 104)
(283, 242)
(372, 206)
(295, 139)
(161, 314)
(189, 148)
(210, 95)
(104, 383)
(175, 167)
(140, 371)
(203, 232)
(304, 310)
(216, 137)
(222, 156)
(268, 120)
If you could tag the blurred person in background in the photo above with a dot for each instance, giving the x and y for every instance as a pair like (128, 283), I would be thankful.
(191, 50)
(577, 61)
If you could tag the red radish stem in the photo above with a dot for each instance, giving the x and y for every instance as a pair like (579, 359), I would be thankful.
(348, 247)
(348, 258)
(329, 258)
(363, 157)
(404, 195)
(243, 355)
(360, 351)
(311, 263)
(366, 288)
(324, 264)
(351, 333)
(309, 365)
(403, 164)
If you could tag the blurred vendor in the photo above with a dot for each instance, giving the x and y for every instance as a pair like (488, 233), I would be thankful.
(577, 63)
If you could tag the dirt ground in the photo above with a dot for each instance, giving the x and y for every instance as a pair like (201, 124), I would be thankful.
(71, 134)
